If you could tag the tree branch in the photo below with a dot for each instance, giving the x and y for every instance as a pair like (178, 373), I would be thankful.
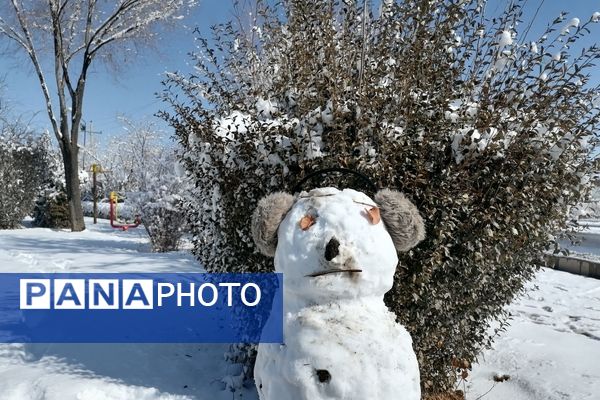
(61, 67)
(62, 8)
(106, 25)
(9, 32)
(30, 48)
(120, 34)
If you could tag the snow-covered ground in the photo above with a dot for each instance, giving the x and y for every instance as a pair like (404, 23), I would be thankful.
(106, 371)
(551, 350)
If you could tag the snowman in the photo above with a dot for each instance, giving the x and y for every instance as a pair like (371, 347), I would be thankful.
(337, 250)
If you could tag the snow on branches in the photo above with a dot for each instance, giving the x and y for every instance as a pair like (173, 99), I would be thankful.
(24, 164)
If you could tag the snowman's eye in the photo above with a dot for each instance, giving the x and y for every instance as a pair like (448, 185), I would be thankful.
(307, 221)
(373, 215)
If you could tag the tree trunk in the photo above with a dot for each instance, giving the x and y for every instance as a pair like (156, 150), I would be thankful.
(71, 164)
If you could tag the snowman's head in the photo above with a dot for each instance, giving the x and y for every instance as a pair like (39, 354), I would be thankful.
(333, 244)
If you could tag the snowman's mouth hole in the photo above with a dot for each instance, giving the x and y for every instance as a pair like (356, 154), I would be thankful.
(332, 271)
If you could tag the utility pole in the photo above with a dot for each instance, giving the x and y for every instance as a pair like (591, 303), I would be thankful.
(96, 169)
(85, 130)
(92, 133)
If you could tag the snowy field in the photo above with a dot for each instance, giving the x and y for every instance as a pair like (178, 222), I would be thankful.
(106, 371)
(551, 350)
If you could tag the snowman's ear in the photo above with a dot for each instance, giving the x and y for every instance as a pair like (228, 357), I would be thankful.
(401, 218)
(269, 213)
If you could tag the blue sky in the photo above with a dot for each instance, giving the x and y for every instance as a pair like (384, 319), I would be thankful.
(132, 91)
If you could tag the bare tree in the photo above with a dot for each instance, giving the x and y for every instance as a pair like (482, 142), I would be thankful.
(136, 160)
(70, 35)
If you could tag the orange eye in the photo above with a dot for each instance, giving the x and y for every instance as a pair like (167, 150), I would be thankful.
(373, 215)
(307, 221)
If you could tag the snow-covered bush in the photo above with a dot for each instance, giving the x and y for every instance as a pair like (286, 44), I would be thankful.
(52, 210)
(124, 210)
(52, 205)
(143, 167)
(489, 133)
(162, 213)
(135, 159)
(23, 165)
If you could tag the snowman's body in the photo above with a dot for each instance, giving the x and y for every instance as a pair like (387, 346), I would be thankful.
(341, 341)
(336, 351)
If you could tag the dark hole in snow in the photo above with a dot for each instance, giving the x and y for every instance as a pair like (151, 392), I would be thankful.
(332, 249)
(323, 375)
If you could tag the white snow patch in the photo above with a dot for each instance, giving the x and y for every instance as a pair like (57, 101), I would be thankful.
(107, 371)
(551, 348)
(232, 126)
(327, 114)
(573, 23)
(557, 56)
(534, 48)
(266, 108)
(505, 39)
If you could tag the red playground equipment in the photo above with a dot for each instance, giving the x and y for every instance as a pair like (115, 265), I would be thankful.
(114, 218)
